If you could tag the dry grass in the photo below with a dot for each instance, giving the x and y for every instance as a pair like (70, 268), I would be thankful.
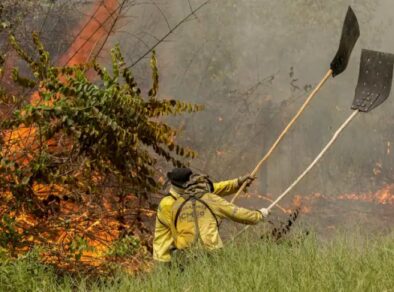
(346, 263)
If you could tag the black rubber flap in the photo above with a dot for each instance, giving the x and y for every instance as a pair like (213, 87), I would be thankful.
(374, 80)
(350, 35)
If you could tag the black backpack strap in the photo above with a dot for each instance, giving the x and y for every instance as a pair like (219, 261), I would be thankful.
(178, 212)
(171, 195)
(209, 208)
(158, 219)
(197, 237)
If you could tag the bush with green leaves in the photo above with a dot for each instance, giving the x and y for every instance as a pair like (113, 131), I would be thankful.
(126, 246)
(83, 134)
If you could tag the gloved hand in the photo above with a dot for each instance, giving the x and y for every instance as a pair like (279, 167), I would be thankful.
(265, 212)
(246, 178)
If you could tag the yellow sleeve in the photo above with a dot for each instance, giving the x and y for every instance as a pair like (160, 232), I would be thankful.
(225, 188)
(163, 240)
(225, 209)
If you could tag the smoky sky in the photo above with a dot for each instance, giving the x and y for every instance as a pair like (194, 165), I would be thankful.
(252, 63)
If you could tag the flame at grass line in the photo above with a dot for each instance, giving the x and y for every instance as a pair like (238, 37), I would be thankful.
(384, 197)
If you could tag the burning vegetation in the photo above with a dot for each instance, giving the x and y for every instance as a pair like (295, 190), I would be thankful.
(78, 150)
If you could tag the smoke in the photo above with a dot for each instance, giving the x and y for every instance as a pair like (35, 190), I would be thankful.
(252, 63)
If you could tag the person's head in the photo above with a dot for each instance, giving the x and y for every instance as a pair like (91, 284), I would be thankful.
(179, 176)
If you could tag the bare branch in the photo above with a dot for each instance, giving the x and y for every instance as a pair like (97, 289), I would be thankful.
(101, 25)
(134, 36)
(111, 29)
(169, 33)
(162, 14)
(93, 16)
(46, 17)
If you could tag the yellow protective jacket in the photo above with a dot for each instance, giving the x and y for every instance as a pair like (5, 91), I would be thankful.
(170, 235)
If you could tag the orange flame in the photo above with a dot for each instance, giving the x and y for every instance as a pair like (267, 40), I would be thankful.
(298, 203)
(91, 34)
(384, 196)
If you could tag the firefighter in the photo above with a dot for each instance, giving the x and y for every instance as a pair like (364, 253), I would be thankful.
(191, 212)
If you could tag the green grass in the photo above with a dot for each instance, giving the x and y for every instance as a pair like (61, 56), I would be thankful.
(343, 264)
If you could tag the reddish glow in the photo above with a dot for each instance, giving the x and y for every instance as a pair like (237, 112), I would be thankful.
(384, 196)
(91, 34)
(94, 30)
(298, 202)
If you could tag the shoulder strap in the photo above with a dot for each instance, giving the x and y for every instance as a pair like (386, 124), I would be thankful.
(178, 212)
(162, 223)
(209, 208)
(197, 236)
(170, 195)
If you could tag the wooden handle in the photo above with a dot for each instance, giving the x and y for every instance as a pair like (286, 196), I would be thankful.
(293, 120)
(306, 171)
(316, 160)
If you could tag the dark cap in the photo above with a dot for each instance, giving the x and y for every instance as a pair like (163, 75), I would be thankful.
(179, 176)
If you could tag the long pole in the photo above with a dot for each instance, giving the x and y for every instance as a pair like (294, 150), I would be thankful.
(284, 132)
(309, 168)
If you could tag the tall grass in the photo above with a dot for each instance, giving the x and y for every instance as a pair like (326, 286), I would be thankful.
(346, 263)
